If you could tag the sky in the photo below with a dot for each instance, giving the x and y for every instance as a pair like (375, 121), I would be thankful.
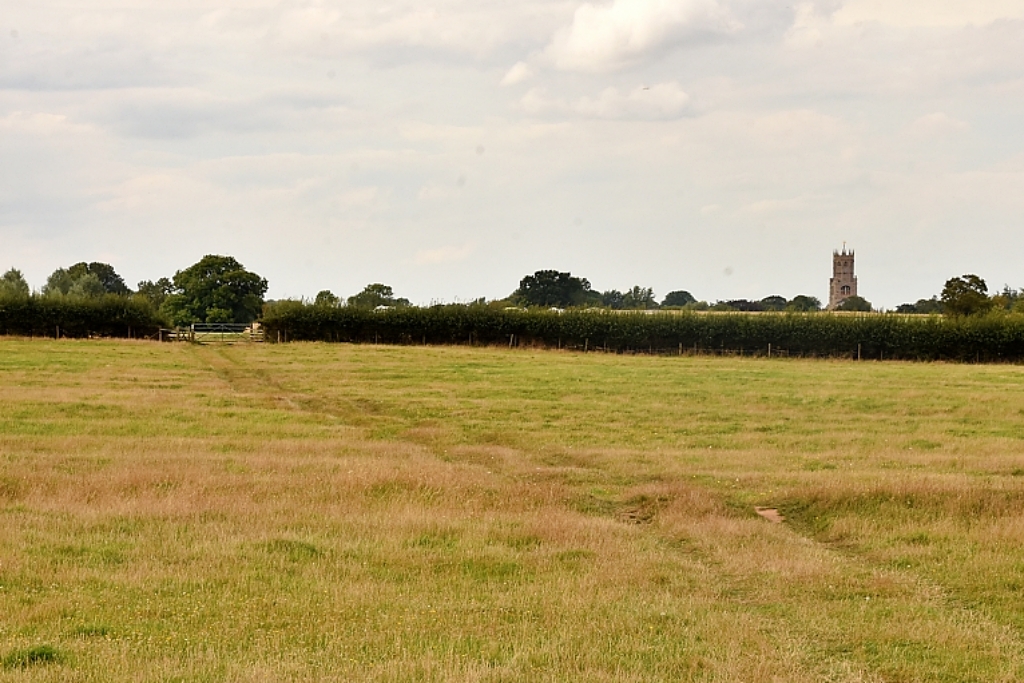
(449, 148)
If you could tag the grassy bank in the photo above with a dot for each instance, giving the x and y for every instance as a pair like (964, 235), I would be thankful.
(339, 512)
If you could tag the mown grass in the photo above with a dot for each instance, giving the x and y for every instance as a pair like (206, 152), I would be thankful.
(336, 512)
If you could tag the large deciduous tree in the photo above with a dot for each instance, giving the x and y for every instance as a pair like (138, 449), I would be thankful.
(108, 278)
(216, 289)
(966, 295)
(375, 295)
(13, 285)
(680, 297)
(87, 286)
(85, 280)
(802, 303)
(932, 305)
(552, 288)
(613, 299)
(327, 298)
(774, 303)
(639, 298)
(155, 292)
(855, 303)
(58, 283)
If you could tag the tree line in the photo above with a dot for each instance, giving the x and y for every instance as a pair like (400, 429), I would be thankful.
(220, 289)
(215, 289)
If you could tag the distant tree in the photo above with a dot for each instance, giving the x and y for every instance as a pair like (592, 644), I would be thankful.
(680, 297)
(1008, 299)
(13, 285)
(966, 295)
(552, 288)
(155, 292)
(613, 299)
(59, 283)
(932, 305)
(108, 278)
(739, 305)
(87, 286)
(80, 280)
(639, 298)
(326, 298)
(220, 315)
(802, 303)
(215, 289)
(855, 303)
(376, 295)
(774, 303)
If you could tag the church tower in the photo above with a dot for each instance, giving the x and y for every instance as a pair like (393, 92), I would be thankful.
(843, 284)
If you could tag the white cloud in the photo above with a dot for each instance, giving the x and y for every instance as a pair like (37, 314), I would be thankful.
(519, 72)
(315, 140)
(809, 26)
(656, 102)
(938, 124)
(36, 123)
(435, 193)
(446, 254)
(607, 37)
(933, 13)
(464, 27)
(773, 206)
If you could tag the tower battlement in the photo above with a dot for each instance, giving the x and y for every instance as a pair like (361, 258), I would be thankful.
(843, 283)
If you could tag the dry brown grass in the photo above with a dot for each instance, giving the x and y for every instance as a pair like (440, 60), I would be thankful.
(316, 512)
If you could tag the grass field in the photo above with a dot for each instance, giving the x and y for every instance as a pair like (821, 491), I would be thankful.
(310, 512)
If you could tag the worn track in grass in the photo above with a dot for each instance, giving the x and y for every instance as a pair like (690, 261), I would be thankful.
(334, 512)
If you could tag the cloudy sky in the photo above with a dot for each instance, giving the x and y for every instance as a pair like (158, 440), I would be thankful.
(448, 148)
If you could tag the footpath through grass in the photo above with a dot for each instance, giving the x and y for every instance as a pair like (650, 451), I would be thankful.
(334, 512)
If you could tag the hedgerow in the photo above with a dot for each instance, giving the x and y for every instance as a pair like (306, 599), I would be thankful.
(106, 316)
(885, 336)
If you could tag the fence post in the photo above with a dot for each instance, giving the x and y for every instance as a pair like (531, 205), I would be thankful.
(769, 349)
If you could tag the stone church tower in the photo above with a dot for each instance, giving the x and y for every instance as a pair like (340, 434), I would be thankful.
(843, 283)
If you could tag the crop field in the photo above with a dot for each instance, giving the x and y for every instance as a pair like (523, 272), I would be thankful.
(334, 512)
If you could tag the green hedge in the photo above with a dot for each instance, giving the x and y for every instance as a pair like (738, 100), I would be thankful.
(995, 338)
(107, 316)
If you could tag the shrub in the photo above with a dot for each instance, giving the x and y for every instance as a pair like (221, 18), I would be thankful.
(987, 338)
(105, 316)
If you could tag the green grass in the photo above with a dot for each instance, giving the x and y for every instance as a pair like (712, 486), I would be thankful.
(32, 656)
(335, 512)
